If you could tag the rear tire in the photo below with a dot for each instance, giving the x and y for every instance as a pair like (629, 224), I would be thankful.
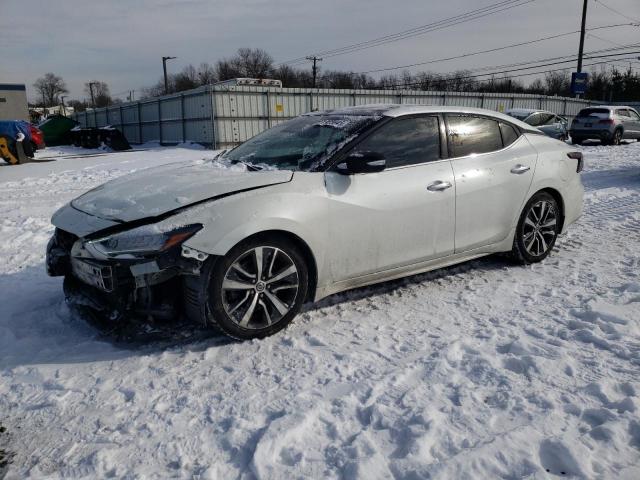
(29, 148)
(617, 137)
(537, 229)
(248, 301)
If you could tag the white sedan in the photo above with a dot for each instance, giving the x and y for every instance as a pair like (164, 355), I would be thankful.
(322, 203)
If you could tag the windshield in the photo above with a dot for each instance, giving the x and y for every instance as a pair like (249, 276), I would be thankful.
(304, 143)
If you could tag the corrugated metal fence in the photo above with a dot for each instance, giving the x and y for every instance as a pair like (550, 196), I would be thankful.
(223, 116)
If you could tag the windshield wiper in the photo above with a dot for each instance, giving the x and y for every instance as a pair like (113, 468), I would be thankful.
(250, 166)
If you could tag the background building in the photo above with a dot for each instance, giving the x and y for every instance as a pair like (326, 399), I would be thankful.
(13, 102)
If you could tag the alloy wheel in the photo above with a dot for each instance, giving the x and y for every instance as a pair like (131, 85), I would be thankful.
(617, 137)
(260, 287)
(540, 228)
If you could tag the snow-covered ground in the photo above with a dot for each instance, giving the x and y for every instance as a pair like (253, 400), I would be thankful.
(482, 370)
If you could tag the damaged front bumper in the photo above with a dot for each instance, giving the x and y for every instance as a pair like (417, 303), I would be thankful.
(147, 286)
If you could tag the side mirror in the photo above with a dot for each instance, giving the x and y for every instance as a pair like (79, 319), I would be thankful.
(362, 162)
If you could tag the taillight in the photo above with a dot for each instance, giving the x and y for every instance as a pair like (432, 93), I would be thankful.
(577, 156)
(606, 121)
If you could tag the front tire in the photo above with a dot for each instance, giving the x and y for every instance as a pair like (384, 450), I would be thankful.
(258, 288)
(537, 229)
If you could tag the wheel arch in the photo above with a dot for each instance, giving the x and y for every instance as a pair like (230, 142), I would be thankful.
(557, 196)
(305, 249)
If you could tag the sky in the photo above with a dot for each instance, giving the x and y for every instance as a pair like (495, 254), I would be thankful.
(121, 42)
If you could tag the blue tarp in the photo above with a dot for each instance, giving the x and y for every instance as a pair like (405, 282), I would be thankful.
(12, 127)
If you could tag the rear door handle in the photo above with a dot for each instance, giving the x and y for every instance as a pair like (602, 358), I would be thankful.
(520, 169)
(438, 186)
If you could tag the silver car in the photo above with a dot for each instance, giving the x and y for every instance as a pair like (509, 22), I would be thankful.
(609, 124)
(316, 205)
(549, 123)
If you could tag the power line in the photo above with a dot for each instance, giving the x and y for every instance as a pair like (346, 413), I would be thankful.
(421, 30)
(569, 58)
(616, 11)
(550, 64)
(527, 68)
(491, 50)
(603, 39)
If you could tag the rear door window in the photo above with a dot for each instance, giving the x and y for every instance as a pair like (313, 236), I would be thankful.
(472, 135)
(509, 134)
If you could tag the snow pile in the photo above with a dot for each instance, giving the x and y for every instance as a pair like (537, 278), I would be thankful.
(482, 370)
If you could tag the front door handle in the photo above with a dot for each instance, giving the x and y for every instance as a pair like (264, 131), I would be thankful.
(439, 185)
(520, 169)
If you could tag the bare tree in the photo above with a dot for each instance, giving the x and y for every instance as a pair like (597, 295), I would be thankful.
(50, 87)
(186, 79)
(101, 95)
(557, 83)
(206, 74)
(247, 62)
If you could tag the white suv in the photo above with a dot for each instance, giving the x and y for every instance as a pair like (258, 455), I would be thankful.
(610, 125)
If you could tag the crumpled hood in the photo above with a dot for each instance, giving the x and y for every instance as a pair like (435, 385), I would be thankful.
(156, 191)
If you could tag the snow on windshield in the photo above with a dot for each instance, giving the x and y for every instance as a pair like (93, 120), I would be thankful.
(304, 143)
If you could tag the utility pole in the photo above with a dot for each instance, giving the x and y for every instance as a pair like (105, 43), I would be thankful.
(64, 112)
(314, 68)
(93, 98)
(582, 31)
(164, 69)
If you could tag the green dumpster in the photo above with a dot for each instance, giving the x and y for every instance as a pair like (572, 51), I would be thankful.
(57, 129)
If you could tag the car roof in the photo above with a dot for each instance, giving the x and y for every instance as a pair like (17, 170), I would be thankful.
(396, 110)
(527, 111)
(609, 107)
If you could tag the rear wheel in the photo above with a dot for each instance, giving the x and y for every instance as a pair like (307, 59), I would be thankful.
(257, 288)
(29, 148)
(617, 137)
(537, 229)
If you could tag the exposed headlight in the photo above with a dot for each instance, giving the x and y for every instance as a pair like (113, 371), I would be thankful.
(140, 241)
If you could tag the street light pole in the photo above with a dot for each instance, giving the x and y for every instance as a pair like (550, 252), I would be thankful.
(64, 111)
(164, 69)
